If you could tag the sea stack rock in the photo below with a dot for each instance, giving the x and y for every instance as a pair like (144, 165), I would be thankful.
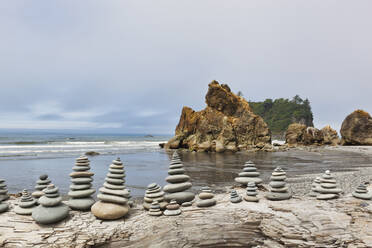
(81, 187)
(314, 187)
(155, 209)
(51, 209)
(154, 193)
(173, 208)
(278, 189)
(41, 184)
(234, 197)
(361, 192)
(249, 174)
(226, 124)
(26, 205)
(206, 198)
(178, 183)
(251, 195)
(3, 196)
(113, 195)
(328, 187)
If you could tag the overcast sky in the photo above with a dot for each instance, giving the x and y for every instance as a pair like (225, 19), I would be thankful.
(130, 66)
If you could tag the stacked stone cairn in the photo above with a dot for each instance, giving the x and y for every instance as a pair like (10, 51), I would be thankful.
(26, 205)
(278, 189)
(314, 187)
(328, 187)
(251, 194)
(154, 193)
(41, 184)
(51, 209)
(113, 197)
(206, 198)
(81, 187)
(234, 197)
(249, 174)
(178, 182)
(361, 192)
(155, 209)
(173, 208)
(3, 196)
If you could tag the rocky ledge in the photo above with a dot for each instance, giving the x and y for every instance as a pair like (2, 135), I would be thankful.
(298, 222)
(226, 124)
(300, 134)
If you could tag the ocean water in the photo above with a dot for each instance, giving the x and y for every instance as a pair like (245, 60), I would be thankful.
(24, 157)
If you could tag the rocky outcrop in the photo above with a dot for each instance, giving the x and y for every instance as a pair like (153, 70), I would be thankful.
(226, 124)
(300, 134)
(356, 129)
(298, 222)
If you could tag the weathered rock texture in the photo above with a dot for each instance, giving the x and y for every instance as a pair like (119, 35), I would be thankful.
(356, 129)
(226, 124)
(300, 134)
(298, 222)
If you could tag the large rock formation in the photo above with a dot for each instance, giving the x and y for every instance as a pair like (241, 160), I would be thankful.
(300, 134)
(227, 123)
(356, 129)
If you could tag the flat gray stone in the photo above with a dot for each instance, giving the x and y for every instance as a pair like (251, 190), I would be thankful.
(245, 180)
(81, 193)
(249, 174)
(206, 203)
(277, 184)
(275, 196)
(180, 178)
(81, 204)
(50, 215)
(49, 202)
(326, 196)
(180, 197)
(112, 199)
(3, 207)
(24, 211)
(176, 171)
(178, 187)
(363, 196)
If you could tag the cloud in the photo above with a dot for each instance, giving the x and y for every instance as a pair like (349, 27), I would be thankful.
(134, 64)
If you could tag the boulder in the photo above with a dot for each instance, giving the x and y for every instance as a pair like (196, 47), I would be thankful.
(356, 129)
(226, 124)
(300, 134)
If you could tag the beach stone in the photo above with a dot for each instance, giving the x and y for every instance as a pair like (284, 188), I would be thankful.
(155, 209)
(361, 192)
(113, 196)
(250, 198)
(41, 184)
(249, 174)
(206, 203)
(234, 197)
(278, 189)
(109, 211)
(154, 193)
(26, 204)
(172, 209)
(51, 209)
(186, 204)
(3, 196)
(206, 198)
(178, 183)
(327, 187)
(80, 194)
(177, 178)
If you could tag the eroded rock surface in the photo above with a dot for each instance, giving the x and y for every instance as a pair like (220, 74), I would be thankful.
(226, 124)
(298, 222)
(300, 134)
(356, 129)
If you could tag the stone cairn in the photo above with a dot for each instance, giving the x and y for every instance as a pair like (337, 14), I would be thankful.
(81, 187)
(361, 192)
(51, 209)
(153, 193)
(26, 205)
(113, 197)
(178, 183)
(41, 184)
(155, 209)
(251, 194)
(278, 189)
(173, 208)
(314, 187)
(206, 198)
(234, 197)
(3, 196)
(328, 187)
(249, 174)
